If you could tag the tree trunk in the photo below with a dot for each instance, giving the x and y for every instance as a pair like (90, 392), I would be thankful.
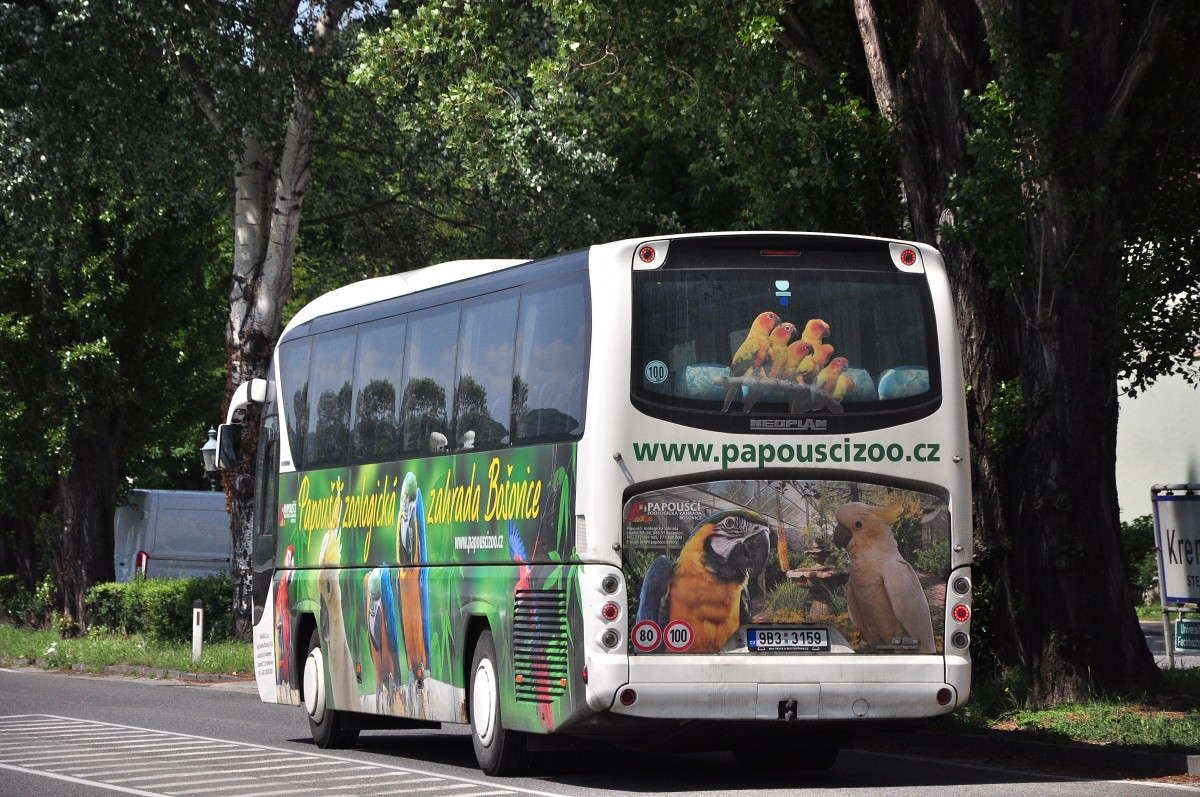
(1045, 508)
(86, 506)
(268, 203)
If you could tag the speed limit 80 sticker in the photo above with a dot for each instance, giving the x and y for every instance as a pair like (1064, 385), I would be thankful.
(646, 636)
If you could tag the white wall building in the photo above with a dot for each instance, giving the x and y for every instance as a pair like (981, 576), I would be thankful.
(1158, 442)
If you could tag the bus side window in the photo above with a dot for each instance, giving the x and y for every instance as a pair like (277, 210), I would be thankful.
(375, 436)
(428, 374)
(551, 359)
(266, 510)
(330, 372)
(483, 398)
(293, 388)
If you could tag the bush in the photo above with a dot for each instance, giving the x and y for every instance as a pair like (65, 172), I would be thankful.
(161, 608)
(935, 559)
(14, 599)
(106, 603)
(1141, 561)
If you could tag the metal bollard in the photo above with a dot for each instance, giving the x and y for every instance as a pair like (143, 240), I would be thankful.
(197, 629)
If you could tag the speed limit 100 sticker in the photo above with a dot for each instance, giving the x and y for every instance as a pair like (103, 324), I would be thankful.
(646, 636)
(678, 636)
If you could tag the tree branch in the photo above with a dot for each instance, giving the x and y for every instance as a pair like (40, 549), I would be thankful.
(794, 36)
(383, 204)
(202, 89)
(1139, 62)
(882, 80)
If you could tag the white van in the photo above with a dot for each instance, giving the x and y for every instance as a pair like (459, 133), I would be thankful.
(172, 534)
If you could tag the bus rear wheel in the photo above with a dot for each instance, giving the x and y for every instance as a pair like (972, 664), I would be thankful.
(328, 727)
(498, 750)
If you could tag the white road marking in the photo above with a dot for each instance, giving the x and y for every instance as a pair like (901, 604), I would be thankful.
(141, 761)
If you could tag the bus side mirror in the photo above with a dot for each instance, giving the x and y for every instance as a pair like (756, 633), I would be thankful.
(229, 445)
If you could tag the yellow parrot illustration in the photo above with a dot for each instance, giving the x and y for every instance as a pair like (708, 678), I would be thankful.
(751, 355)
(827, 379)
(886, 601)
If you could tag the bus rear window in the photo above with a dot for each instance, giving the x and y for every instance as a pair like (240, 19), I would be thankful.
(713, 347)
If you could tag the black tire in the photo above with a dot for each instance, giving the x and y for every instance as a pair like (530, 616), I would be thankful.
(499, 751)
(328, 727)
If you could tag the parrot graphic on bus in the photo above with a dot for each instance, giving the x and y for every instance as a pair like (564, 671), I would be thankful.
(413, 578)
(886, 601)
(706, 586)
(752, 354)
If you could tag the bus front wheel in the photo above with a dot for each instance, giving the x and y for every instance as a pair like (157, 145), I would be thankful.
(328, 727)
(498, 750)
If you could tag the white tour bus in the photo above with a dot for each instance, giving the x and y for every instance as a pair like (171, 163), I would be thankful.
(705, 490)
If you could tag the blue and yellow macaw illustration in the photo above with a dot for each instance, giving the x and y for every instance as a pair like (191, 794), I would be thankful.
(413, 579)
(382, 632)
(706, 587)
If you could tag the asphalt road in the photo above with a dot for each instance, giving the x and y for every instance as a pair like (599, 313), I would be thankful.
(63, 734)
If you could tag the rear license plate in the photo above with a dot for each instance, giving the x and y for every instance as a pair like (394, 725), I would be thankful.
(797, 639)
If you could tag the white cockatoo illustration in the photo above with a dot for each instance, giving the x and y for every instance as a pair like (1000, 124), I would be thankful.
(886, 601)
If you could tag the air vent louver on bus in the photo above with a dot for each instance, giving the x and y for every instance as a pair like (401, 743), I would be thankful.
(540, 644)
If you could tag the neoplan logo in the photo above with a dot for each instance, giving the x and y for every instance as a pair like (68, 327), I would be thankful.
(805, 424)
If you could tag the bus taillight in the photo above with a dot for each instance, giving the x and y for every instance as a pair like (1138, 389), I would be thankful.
(610, 611)
(961, 613)
(944, 696)
(140, 561)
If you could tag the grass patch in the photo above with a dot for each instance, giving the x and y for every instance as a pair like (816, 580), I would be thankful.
(1168, 723)
(101, 650)
(1127, 725)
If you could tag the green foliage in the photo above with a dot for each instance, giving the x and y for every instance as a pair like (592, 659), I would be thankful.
(1114, 723)
(99, 650)
(638, 562)
(999, 698)
(162, 608)
(14, 599)
(934, 558)
(1006, 417)
(1140, 559)
(987, 643)
(993, 697)
(788, 602)
(111, 312)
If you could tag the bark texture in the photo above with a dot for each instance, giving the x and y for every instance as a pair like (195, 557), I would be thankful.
(1045, 511)
(269, 195)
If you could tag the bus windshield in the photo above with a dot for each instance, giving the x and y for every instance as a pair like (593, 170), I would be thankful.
(714, 342)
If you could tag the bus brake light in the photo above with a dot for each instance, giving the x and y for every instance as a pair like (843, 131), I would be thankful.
(961, 613)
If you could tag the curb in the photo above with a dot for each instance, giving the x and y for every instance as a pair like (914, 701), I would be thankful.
(155, 672)
(131, 670)
(1092, 759)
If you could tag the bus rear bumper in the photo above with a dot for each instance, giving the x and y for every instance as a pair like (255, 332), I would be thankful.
(750, 701)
